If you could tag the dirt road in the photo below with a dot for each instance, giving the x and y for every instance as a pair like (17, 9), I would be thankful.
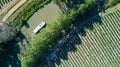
(13, 10)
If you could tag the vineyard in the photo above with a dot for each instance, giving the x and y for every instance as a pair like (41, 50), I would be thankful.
(95, 46)
(4, 2)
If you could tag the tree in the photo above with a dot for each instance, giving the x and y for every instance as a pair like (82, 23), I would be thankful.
(7, 32)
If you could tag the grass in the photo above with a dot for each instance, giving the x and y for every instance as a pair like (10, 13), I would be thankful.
(99, 47)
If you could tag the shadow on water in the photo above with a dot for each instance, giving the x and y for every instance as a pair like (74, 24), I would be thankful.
(10, 54)
(69, 42)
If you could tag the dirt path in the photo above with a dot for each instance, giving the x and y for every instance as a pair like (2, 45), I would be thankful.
(13, 10)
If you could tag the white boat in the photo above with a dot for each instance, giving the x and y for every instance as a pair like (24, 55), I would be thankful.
(41, 25)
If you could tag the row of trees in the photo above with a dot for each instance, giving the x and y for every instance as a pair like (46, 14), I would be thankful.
(50, 36)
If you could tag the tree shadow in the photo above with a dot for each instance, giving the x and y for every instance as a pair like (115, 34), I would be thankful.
(26, 25)
(20, 37)
(69, 42)
(11, 50)
(66, 5)
(61, 52)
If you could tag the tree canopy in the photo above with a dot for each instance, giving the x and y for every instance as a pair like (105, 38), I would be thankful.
(7, 32)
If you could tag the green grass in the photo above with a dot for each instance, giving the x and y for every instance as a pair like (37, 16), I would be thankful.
(100, 46)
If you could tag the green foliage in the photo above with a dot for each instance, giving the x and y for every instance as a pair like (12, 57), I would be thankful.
(46, 40)
(111, 3)
(28, 11)
(89, 2)
(7, 32)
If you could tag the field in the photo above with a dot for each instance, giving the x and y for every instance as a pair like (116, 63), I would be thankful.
(93, 44)
(3, 2)
(6, 5)
(18, 5)
(41, 15)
